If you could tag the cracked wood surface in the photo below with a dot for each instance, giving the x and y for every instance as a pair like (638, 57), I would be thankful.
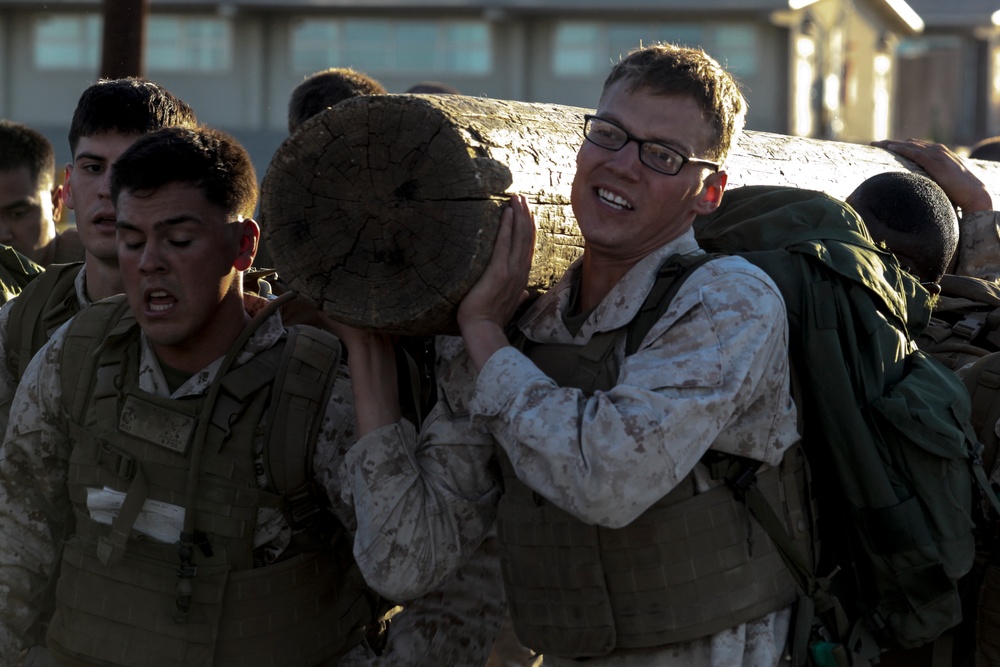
(384, 209)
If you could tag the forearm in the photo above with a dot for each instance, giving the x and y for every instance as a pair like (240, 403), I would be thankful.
(421, 509)
(607, 456)
(372, 365)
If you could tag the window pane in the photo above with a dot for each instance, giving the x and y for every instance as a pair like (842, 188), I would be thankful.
(586, 49)
(67, 42)
(416, 44)
(366, 44)
(386, 46)
(576, 51)
(188, 44)
(315, 45)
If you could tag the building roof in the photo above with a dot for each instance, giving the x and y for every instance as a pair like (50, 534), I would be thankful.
(897, 12)
(956, 13)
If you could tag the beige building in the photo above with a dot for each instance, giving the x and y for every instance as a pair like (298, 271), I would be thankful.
(949, 76)
(821, 68)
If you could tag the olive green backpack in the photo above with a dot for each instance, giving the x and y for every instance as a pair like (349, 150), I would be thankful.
(886, 429)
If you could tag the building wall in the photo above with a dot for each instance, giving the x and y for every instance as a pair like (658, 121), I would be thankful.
(249, 97)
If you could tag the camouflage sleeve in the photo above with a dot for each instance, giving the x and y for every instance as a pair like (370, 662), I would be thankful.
(455, 624)
(979, 245)
(33, 499)
(7, 382)
(712, 373)
(423, 504)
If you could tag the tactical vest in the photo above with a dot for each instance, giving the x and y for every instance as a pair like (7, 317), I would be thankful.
(965, 322)
(125, 599)
(690, 566)
(16, 273)
(46, 303)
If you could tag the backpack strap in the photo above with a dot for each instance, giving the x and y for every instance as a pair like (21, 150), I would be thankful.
(983, 382)
(302, 387)
(671, 275)
(43, 305)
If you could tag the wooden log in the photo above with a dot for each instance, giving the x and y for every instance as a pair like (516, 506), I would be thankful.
(384, 209)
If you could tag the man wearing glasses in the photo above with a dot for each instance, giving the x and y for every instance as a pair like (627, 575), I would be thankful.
(619, 545)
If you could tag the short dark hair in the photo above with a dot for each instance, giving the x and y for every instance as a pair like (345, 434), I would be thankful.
(22, 146)
(987, 149)
(909, 213)
(667, 70)
(323, 89)
(204, 157)
(127, 106)
(432, 88)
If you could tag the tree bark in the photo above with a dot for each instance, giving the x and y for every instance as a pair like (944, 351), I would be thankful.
(384, 209)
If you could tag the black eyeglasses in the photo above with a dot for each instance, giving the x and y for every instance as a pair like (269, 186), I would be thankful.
(656, 156)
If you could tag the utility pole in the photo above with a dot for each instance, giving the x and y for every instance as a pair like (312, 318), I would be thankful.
(124, 40)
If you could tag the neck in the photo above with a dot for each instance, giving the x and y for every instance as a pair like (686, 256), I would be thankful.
(213, 343)
(47, 254)
(598, 276)
(103, 278)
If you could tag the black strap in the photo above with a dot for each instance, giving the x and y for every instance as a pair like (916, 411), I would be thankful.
(671, 275)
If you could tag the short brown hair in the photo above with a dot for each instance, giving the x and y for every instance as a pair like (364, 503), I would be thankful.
(326, 88)
(203, 157)
(667, 69)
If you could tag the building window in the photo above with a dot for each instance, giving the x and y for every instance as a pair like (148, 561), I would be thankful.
(173, 43)
(188, 44)
(403, 46)
(589, 49)
(67, 42)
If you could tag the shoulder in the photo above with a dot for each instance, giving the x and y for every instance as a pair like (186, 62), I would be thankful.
(730, 277)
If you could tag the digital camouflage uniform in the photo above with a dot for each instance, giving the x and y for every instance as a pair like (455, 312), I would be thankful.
(712, 373)
(8, 378)
(979, 245)
(453, 625)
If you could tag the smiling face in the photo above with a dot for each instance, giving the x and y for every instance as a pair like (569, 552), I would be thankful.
(87, 190)
(626, 210)
(180, 257)
(28, 210)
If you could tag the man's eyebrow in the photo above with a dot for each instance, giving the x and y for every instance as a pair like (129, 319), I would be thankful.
(159, 224)
(26, 201)
(90, 156)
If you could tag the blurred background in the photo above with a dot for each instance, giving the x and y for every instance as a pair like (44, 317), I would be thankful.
(847, 70)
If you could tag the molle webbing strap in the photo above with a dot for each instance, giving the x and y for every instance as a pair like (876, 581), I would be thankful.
(672, 274)
(690, 566)
(983, 383)
(187, 571)
(302, 389)
(290, 620)
(109, 321)
(43, 306)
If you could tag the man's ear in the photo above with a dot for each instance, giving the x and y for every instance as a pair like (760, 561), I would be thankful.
(57, 204)
(66, 190)
(249, 235)
(711, 193)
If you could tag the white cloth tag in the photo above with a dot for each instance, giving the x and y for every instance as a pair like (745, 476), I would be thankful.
(161, 521)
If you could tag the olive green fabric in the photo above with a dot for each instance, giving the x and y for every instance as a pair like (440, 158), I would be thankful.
(207, 599)
(965, 324)
(580, 590)
(41, 308)
(16, 271)
(885, 427)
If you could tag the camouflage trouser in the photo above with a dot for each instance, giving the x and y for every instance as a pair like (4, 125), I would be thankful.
(988, 619)
(39, 656)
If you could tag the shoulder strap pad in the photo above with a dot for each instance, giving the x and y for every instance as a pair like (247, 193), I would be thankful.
(42, 307)
(302, 387)
(672, 274)
(90, 333)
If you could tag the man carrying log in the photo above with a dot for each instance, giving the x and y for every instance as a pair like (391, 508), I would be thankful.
(601, 449)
